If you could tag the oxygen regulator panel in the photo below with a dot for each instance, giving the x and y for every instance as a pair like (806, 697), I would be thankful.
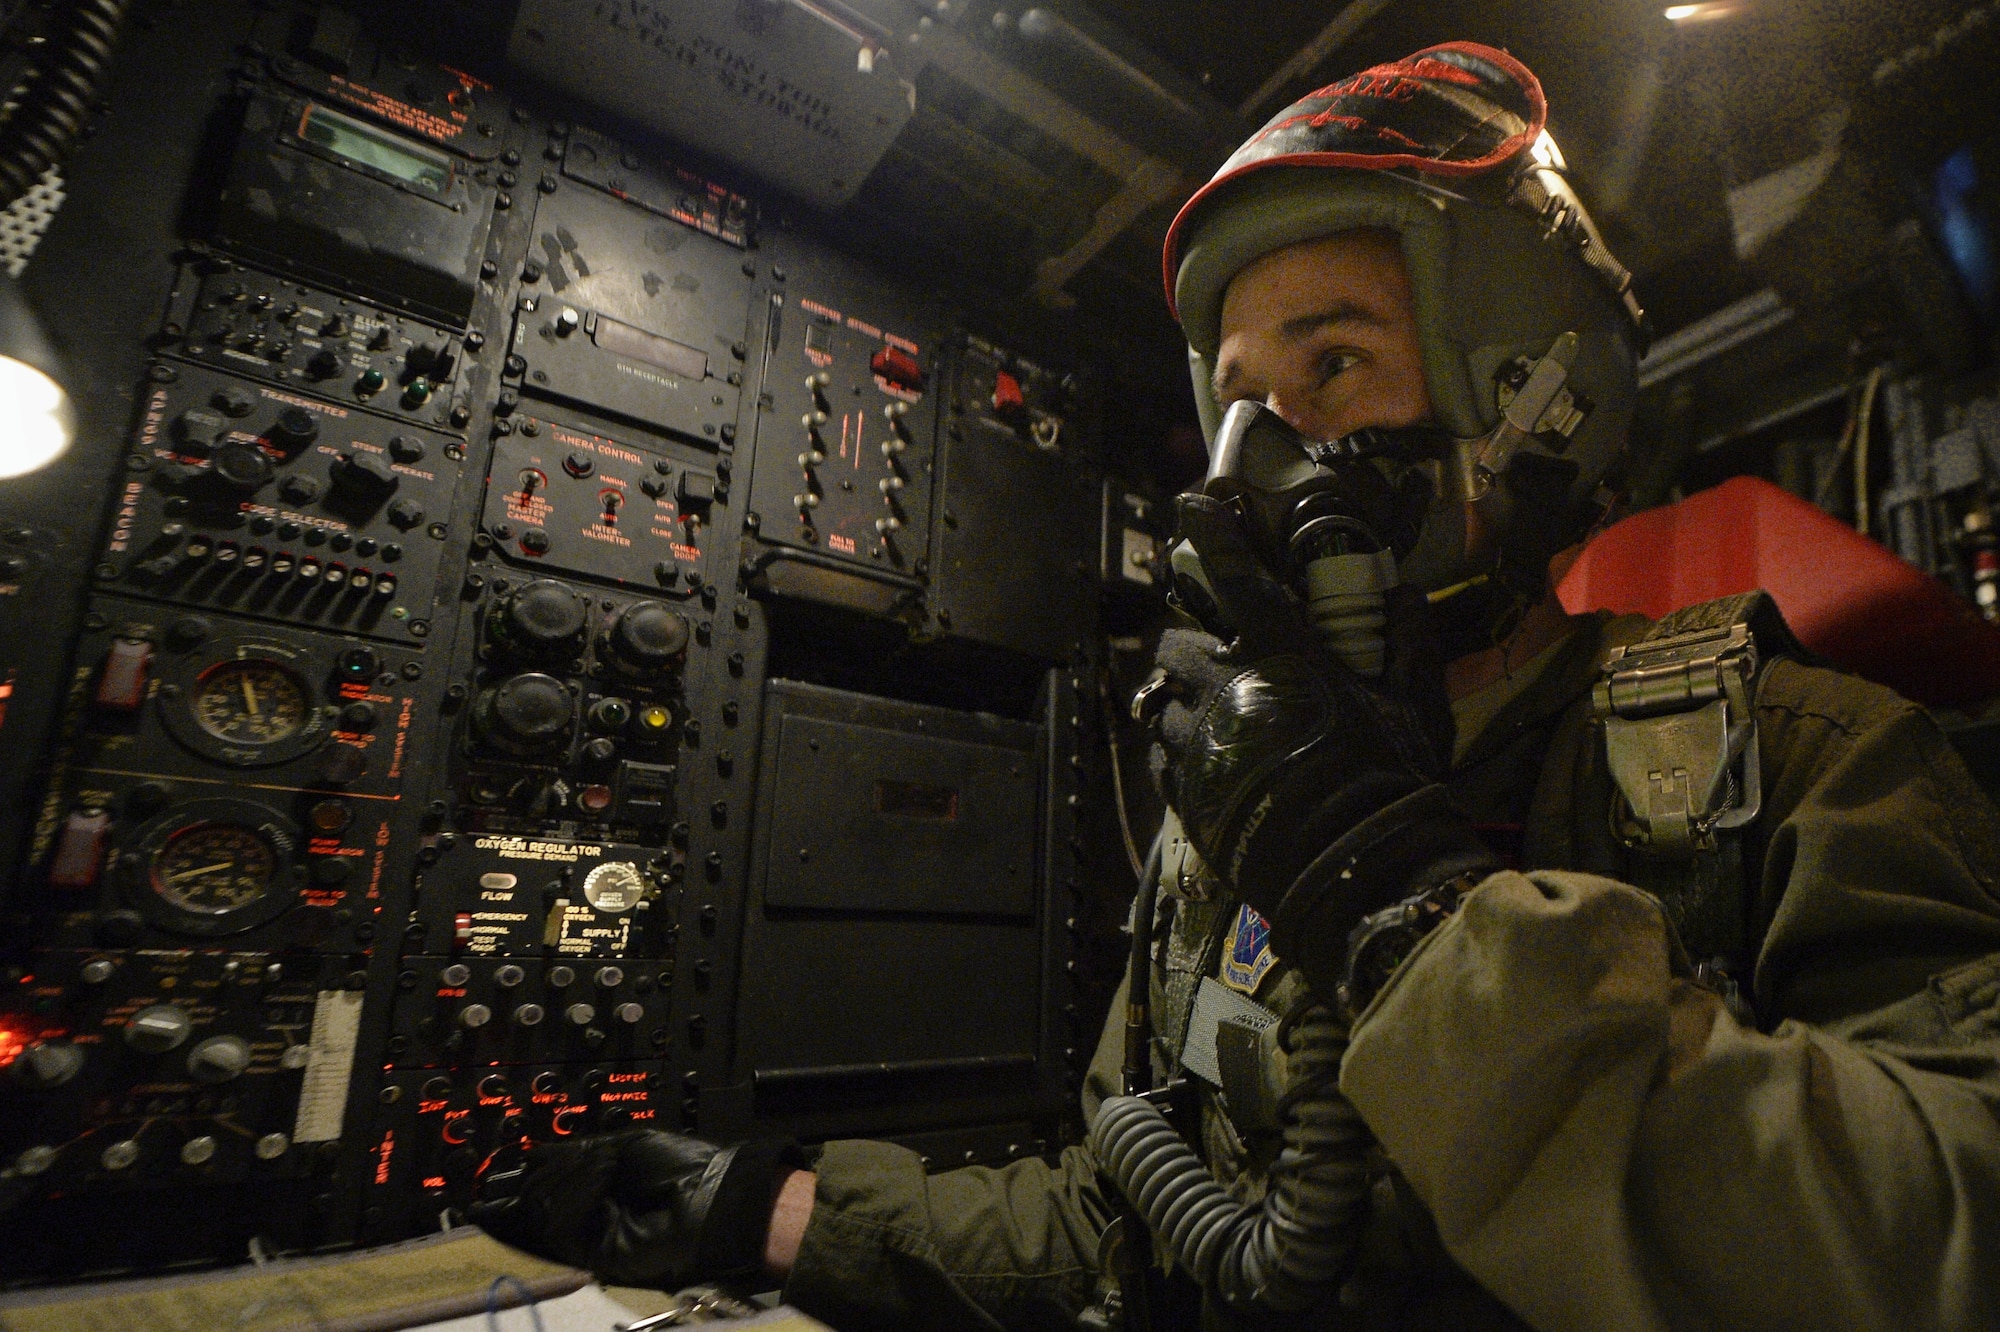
(423, 786)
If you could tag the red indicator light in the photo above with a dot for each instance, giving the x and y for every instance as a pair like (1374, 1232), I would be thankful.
(11, 1044)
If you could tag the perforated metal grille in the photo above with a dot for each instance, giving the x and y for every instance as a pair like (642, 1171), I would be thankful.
(22, 224)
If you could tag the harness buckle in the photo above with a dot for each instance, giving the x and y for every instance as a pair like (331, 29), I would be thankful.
(1680, 738)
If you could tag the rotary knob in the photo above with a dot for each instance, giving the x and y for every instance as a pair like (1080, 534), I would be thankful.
(544, 618)
(649, 636)
(47, 1065)
(157, 1028)
(526, 712)
(219, 1059)
(240, 467)
(294, 429)
(364, 478)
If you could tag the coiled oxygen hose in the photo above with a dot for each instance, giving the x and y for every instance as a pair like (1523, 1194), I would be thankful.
(56, 99)
(1293, 1249)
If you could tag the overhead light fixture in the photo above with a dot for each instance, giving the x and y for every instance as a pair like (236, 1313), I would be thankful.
(37, 419)
(1701, 13)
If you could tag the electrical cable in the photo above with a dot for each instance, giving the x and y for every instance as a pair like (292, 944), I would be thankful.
(1118, 781)
(55, 100)
(1863, 414)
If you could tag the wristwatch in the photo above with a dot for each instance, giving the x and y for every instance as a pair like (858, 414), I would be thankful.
(1384, 940)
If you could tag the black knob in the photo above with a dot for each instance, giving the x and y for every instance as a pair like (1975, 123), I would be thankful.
(294, 429)
(544, 618)
(298, 489)
(364, 477)
(527, 712)
(233, 401)
(406, 513)
(240, 468)
(358, 716)
(342, 764)
(47, 1065)
(325, 364)
(195, 430)
(649, 635)
(405, 449)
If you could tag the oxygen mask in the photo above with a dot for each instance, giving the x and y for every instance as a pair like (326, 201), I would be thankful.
(1329, 520)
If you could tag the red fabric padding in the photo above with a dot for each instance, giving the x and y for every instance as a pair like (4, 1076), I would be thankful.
(1846, 597)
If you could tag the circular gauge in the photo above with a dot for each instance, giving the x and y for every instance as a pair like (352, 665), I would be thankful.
(250, 702)
(615, 886)
(247, 702)
(214, 866)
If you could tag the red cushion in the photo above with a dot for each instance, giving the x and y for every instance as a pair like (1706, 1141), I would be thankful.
(1846, 597)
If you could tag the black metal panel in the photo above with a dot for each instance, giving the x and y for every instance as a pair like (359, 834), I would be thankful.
(545, 772)
(632, 314)
(246, 497)
(847, 412)
(1016, 548)
(880, 945)
(316, 342)
(580, 502)
(411, 237)
(869, 818)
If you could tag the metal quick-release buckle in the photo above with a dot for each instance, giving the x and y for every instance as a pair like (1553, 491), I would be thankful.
(1680, 737)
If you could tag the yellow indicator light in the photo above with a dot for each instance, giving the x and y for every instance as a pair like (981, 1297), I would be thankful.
(655, 718)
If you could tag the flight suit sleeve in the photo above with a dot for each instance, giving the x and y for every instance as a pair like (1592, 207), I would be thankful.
(1015, 1246)
(1602, 1145)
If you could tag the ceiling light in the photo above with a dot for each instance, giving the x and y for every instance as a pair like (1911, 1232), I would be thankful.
(37, 420)
(1701, 13)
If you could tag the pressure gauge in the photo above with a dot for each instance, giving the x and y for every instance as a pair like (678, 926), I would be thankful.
(251, 702)
(214, 867)
(248, 702)
(615, 886)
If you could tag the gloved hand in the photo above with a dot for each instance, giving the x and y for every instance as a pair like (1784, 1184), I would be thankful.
(644, 1208)
(1315, 796)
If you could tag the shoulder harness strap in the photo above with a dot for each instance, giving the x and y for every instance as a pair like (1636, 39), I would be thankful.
(1680, 732)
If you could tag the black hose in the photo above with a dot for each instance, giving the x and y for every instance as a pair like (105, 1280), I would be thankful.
(1290, 1251)
(56, 99)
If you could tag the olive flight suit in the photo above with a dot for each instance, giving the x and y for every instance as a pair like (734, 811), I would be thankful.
(1580, 1138)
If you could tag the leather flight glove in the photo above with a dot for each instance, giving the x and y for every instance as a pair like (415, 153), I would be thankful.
(643, 1208)
(1316, 797)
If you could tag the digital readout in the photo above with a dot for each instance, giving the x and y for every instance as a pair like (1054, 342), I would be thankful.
(366, 146)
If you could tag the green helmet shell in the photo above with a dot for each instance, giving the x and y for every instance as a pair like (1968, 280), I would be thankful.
(1502, 257)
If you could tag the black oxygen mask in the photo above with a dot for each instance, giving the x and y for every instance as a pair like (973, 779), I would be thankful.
(1328, 519)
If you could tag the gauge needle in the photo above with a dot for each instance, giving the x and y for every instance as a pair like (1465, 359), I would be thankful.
(205, 869)
(249, 696)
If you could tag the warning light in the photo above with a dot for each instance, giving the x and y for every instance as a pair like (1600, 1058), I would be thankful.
(12, 1042)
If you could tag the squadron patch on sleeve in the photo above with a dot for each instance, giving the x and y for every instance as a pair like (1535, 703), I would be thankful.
(1246, 952)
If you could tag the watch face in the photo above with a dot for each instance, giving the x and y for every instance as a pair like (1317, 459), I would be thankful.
(214, 869)
(251, 702)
